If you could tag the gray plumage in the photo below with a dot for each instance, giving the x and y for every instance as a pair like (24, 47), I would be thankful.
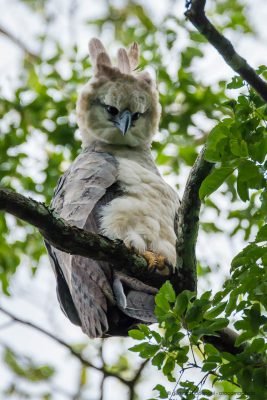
(85, 287)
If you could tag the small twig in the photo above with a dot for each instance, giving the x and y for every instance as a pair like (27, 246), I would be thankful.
(196, 14)
(102, 382)
(76, 354)
(177, 383)
(200, 384)
(106, 373)
(191, 348)
(138, 372)
(227, 380)
(19, 43)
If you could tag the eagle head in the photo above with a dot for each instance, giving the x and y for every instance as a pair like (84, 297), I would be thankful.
(118, 106)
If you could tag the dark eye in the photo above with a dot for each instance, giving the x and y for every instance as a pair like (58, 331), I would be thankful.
(112, 110)
(136, 116)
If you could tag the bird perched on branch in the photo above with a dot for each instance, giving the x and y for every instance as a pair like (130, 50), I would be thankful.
(114, 188)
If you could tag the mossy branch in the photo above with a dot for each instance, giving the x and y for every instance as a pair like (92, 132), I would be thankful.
(188, 223)
(73, 240)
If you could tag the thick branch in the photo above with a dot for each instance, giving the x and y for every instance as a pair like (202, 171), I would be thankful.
(74, 240)
(187, 226)
(196, 14)
(18, 42)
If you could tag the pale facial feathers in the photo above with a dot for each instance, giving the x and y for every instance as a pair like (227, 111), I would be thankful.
(113, 90)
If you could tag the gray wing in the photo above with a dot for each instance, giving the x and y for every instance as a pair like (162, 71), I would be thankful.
(83, 286)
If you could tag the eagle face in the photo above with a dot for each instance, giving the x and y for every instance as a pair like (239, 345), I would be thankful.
(118, 108)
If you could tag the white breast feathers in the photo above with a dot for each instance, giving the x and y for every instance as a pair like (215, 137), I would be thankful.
(144, 216)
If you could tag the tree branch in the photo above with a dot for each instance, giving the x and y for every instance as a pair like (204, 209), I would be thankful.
(196, 14)
(73, 240)
(18, 42)
(106, 372)
(187, 226)
(75, 353)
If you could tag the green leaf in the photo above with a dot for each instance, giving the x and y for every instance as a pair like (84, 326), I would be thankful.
(164, 297)
(156, 336)
(168, 292)
(145, 349)
(136, 334)
(242, 189)
(194, 314)
(209, 366)
(145, 329)
(158, 359)
(163, 394)
(182, 356)
(214, 181)
(182, 301)
(243, 337)
(215, 311)
(257, 346)
(206, 392)
(218, 324)
(238, 148)
(138, 347)
(162, 303)
(258, 150)
(262, 234)
(259, 380)
(217, 136)
(248, 255)
(230, 369)
(210, 349)
(248, 171)
(168, 366)
(236, 83)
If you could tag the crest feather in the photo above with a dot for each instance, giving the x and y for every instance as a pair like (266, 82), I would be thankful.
(133, 55)
(123, 62)
(126, 61)
(98, 53)
(103, 59)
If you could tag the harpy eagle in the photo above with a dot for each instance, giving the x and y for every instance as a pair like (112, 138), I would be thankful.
(114, 188)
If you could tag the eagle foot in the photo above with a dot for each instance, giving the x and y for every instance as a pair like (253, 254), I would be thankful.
(158, 263)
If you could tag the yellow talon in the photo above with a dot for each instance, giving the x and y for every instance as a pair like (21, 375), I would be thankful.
(157, 262)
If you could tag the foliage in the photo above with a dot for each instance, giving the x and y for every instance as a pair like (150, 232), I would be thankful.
(238, 146)
(39, 139)
(185, 320)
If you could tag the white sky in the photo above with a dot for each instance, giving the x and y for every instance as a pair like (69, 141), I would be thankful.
(35, 299)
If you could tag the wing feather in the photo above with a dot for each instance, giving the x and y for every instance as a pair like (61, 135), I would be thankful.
(89, 184)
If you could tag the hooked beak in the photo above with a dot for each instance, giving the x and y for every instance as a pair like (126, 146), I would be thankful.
(123, 121)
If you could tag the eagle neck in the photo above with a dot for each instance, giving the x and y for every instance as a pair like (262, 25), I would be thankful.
(142, 155)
